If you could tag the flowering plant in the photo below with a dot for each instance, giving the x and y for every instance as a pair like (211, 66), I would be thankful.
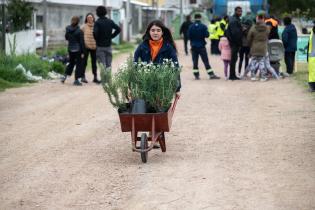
(155, 84)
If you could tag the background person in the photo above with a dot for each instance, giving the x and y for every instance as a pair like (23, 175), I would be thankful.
(183, 31)
(74, 36)
(234, 34)
(289, 39)
(90, 47)
(197, 34)
(103, 35)
(158, 44)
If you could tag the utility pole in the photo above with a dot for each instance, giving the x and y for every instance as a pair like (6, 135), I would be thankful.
(3, 25)
(44, 49)
(105, 3)
(181, 12)
(128, 20)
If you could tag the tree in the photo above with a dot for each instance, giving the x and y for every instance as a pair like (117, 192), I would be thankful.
(306, 8)
(19, 14)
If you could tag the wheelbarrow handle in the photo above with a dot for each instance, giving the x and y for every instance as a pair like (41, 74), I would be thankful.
(177, 96)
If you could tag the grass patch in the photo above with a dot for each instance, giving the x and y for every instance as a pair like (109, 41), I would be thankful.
(301, 75)
(124, 47)
(4, 84)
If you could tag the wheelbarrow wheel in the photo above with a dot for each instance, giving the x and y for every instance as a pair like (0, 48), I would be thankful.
(143, 146)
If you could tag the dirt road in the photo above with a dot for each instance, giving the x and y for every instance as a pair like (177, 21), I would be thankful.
(233, 145)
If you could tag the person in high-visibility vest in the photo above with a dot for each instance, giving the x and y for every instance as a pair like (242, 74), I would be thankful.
(311, 60)
(197, 33)
(222, 25)
(212, 31)
(216, 37)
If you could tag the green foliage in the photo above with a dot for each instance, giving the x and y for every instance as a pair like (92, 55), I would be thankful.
(60, 50)
(6, 84)
(12, 45)
(38, 67)
(156, 84)
(124, 47)
(57, 67)
(34, 64)
(114, 88)
(20, 13)
(301, 8)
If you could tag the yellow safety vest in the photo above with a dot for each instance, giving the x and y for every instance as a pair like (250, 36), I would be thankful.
(311, 60)
(220, 32)
(212, 31)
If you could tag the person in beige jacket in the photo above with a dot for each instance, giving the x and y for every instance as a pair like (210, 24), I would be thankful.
(90, 47)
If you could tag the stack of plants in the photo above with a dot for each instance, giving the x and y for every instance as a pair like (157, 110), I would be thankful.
(155, 84)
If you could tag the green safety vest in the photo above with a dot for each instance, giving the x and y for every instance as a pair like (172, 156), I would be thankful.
(220, 32)
(212, 31)
(311, 60)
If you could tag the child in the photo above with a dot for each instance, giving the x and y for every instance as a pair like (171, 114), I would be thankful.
(225, 50)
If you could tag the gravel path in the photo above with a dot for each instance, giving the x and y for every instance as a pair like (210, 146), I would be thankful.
(233, 145)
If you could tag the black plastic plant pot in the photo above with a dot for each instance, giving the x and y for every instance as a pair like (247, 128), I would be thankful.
(138, 106)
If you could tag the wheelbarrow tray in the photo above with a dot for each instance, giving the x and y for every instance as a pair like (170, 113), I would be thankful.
(143, 122)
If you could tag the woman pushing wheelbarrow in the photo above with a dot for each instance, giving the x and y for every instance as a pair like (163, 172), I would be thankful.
(149, 82)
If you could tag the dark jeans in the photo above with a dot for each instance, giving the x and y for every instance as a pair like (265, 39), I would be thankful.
(204, 57)
(234, 55)
(244, 51)
(74, 60)
(289, 59)
(93, 61)
(185, 44)
(215, 47)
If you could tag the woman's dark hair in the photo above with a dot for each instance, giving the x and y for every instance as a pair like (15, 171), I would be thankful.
(167, 35)
(101, 11)
(88, 15)
(287, 21)
(75, 21)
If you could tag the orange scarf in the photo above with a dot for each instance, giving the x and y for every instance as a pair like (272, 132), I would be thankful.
(155, 47)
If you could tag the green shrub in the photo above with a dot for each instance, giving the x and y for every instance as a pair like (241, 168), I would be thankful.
(34, 64)
(63, 51)
(156, 84)
(57, 67)
(6, 84)
(13, 75)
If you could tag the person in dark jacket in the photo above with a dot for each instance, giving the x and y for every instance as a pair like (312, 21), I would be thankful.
(197, 33)
(183, 31)
(245, 49)
(158, 44)
(273, 25)
(76, 50)
(234, 33)
(103, 35)
(289, 39)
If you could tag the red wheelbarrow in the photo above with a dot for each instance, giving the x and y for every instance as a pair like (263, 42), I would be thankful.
(154, 123)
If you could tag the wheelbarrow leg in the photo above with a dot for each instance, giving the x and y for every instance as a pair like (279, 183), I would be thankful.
(162, 142)
(134, 135)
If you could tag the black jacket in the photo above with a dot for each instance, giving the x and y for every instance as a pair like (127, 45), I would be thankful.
(289, 38)
(103, 31)
(75, 39)
(184, 28)
(234, 32)
(143, 52)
